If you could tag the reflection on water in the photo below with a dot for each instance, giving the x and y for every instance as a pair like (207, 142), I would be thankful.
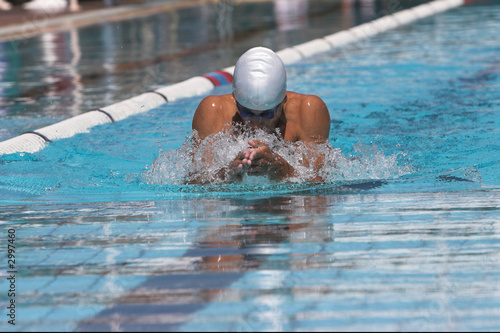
(3, 79)
(62, 53)
(291, 15)
(59, 74)
(392, 261)
(219, 257)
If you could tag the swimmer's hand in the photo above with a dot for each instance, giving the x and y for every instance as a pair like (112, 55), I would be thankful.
(260, 160)
(239, 166)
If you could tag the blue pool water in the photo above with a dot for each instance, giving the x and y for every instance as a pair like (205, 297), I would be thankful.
(404, 235)
(56, 75)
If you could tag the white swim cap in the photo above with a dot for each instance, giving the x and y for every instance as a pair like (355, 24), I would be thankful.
(259, 79)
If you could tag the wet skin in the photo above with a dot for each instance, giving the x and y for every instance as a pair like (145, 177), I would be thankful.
(301, 118)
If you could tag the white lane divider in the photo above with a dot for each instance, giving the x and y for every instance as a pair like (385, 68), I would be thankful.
(36, 140)
(134, 105)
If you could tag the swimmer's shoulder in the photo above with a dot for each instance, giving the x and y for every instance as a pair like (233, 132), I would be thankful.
(212, 113)
(312, 115)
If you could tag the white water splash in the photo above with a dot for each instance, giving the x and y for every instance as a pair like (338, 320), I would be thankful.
(206, 161)
(372, 164)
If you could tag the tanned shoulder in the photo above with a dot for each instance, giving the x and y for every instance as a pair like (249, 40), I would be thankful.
(315, 119)
(207, 118)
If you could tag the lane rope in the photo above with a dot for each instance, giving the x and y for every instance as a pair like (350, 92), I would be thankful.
(107, 114)
(36, 140)
(40, 135)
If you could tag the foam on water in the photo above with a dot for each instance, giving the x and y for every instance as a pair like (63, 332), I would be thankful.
(207, 160)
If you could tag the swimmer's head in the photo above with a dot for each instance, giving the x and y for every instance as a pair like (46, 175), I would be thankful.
(259, 79)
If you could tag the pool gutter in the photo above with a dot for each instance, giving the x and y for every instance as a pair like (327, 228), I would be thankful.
(36, 140)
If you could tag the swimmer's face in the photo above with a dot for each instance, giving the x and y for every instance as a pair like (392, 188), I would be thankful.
(257, 121)
(259, 118)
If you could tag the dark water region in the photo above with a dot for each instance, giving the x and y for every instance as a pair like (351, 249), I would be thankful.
(56, 75)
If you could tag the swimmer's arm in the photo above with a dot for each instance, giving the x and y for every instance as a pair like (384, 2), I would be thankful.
(202, 157)
(206, 121)
(202, 125)
(233, 172)
(315, 132)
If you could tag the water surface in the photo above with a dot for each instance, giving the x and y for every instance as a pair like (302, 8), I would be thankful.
(101, 246)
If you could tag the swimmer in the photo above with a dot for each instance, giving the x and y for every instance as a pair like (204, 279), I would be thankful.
(260, 100)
